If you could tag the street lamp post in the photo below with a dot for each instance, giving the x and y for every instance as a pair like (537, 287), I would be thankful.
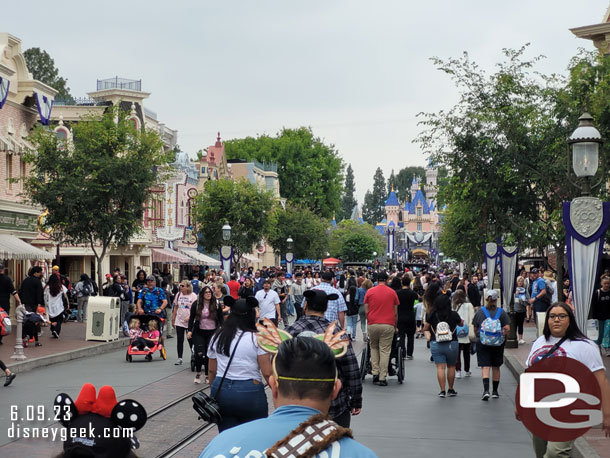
(584, 151)
(289, 254)
(226, 251)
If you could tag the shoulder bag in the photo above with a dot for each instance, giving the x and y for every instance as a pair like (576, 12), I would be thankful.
(207, 406)
(553, 349)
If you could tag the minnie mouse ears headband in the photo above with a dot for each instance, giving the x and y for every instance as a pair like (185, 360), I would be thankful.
(241, 306)
(270, 337)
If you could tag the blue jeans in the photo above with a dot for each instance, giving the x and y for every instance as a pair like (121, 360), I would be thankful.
(601, 326)
(444, 352)
(240, 401)
(352, 324)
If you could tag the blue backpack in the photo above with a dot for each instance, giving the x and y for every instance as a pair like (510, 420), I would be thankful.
(195, 284)
(491, 329)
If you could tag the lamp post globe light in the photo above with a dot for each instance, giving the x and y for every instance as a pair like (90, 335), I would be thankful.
(584, 149)
(226, 251)
(289, 254)
(289, 243)
(226, 232)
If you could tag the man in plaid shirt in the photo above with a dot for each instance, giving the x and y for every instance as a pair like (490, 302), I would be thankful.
(349, 400)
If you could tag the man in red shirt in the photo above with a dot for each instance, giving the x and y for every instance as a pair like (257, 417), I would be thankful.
(381, 308)
(234, 287)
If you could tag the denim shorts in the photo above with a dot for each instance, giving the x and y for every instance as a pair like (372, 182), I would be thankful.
(444, 352)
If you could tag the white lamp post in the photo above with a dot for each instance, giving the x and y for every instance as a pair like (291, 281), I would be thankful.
(226, 251)
(584, 148)
(289, 254)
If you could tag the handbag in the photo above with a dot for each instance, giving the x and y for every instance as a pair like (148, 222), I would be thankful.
(207, 406)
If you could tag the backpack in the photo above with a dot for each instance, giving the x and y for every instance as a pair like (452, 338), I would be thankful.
(491, 329)
(549, 292)
(87, 289)
(195, 284)
(443, 331)
(5, 323)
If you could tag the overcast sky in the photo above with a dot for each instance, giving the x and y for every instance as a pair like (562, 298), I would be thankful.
(357, 72)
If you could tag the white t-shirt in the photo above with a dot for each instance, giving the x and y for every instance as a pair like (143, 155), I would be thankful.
(54, 305)
(245, 362)
(584, 351)
(266, 303)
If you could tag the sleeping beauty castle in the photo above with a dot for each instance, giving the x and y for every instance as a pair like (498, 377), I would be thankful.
(412, 227)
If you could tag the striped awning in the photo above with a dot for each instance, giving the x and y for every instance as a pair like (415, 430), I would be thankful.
(200, 258)
(12, 247)
(169, 256)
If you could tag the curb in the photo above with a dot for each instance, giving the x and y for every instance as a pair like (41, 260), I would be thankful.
(581, 448)
(29, 364)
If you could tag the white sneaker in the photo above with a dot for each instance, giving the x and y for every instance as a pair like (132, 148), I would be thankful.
(458, 374)
(521, 342)
(179, 362)
(197, 378)
(468, 374)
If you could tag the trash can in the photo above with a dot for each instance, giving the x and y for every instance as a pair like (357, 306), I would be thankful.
(103, 321)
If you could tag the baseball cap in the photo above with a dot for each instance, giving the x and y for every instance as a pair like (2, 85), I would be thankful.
(492, 294)
(150, 278)
(534, 270)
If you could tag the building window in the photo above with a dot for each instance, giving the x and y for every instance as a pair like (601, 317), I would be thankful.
(418, 227)
(419, 211)
(9, 171)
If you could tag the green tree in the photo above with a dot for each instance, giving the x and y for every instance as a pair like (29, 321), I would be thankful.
(95, 188)
(373, 209)
(240, 203)
(348, 201)
(310, 172)
(391, 183)
(353, 242)
(42, 66)
(308, 231)
(404, 180)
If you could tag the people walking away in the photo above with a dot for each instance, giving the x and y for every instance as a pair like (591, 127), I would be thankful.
(204, 319)
(239, 364)
(233, 286)
(406, 316)
(561, 337)
(352, 307)
(442, 323)
(196, 284)
(360, 294)
(349, 400)
(600, 311)
(336, 308)
(181, 314)
(10, 376)
(7, 289)
(521, 302)
(381, 306)
(54, 295)
(491, 326)
(84, 289)
(303, 386)
(297, 289)
(465, 333)
(31, 290)
(268, 303)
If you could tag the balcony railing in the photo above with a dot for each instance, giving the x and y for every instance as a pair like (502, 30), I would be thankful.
(75, 101)
(119, 83)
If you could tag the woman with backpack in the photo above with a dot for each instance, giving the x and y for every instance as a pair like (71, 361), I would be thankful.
(54, 295)
(441, 324)
(464, 333)
(84, 289)
(491, 325)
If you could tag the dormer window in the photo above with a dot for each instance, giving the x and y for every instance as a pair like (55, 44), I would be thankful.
(418, 211)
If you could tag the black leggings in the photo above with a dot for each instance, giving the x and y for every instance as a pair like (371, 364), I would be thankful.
(520, 318)
(180, 331)
(30, 329)
(201, 340)
(407, 328)
(463, 348)
(2, 366)
(59, 319)
(141, 342)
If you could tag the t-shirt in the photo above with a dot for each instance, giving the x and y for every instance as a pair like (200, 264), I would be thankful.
(245, 362)
(234, 288)
(253, 438)
(134, 333)
(479, 317)
(540, 305)
(205, 322)
(6, 289)
(407, 298)
(584, 351)
(152, 300)
(601, 305)
(452, 320)
(183, 305)
(151, 335)
(266, 303)
(54, 305)
(381, 300)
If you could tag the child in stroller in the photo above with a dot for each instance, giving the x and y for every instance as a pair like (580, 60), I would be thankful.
(147, 339)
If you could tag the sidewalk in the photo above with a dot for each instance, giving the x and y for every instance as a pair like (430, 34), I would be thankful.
(70, 345)
(593, 444)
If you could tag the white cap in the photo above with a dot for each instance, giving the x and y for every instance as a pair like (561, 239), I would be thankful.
(492, 294)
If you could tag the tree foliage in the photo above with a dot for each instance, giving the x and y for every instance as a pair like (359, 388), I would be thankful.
(308, 231)
(373, 209)
(243, 205)
(310, 172)
(505, 146)
(353, 242)
(95, 188)
(42, 66)
(348, 200)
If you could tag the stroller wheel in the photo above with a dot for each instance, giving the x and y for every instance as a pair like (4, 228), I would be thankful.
(126, 356)
(163, 353)
(130, 358)
(148, 357)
